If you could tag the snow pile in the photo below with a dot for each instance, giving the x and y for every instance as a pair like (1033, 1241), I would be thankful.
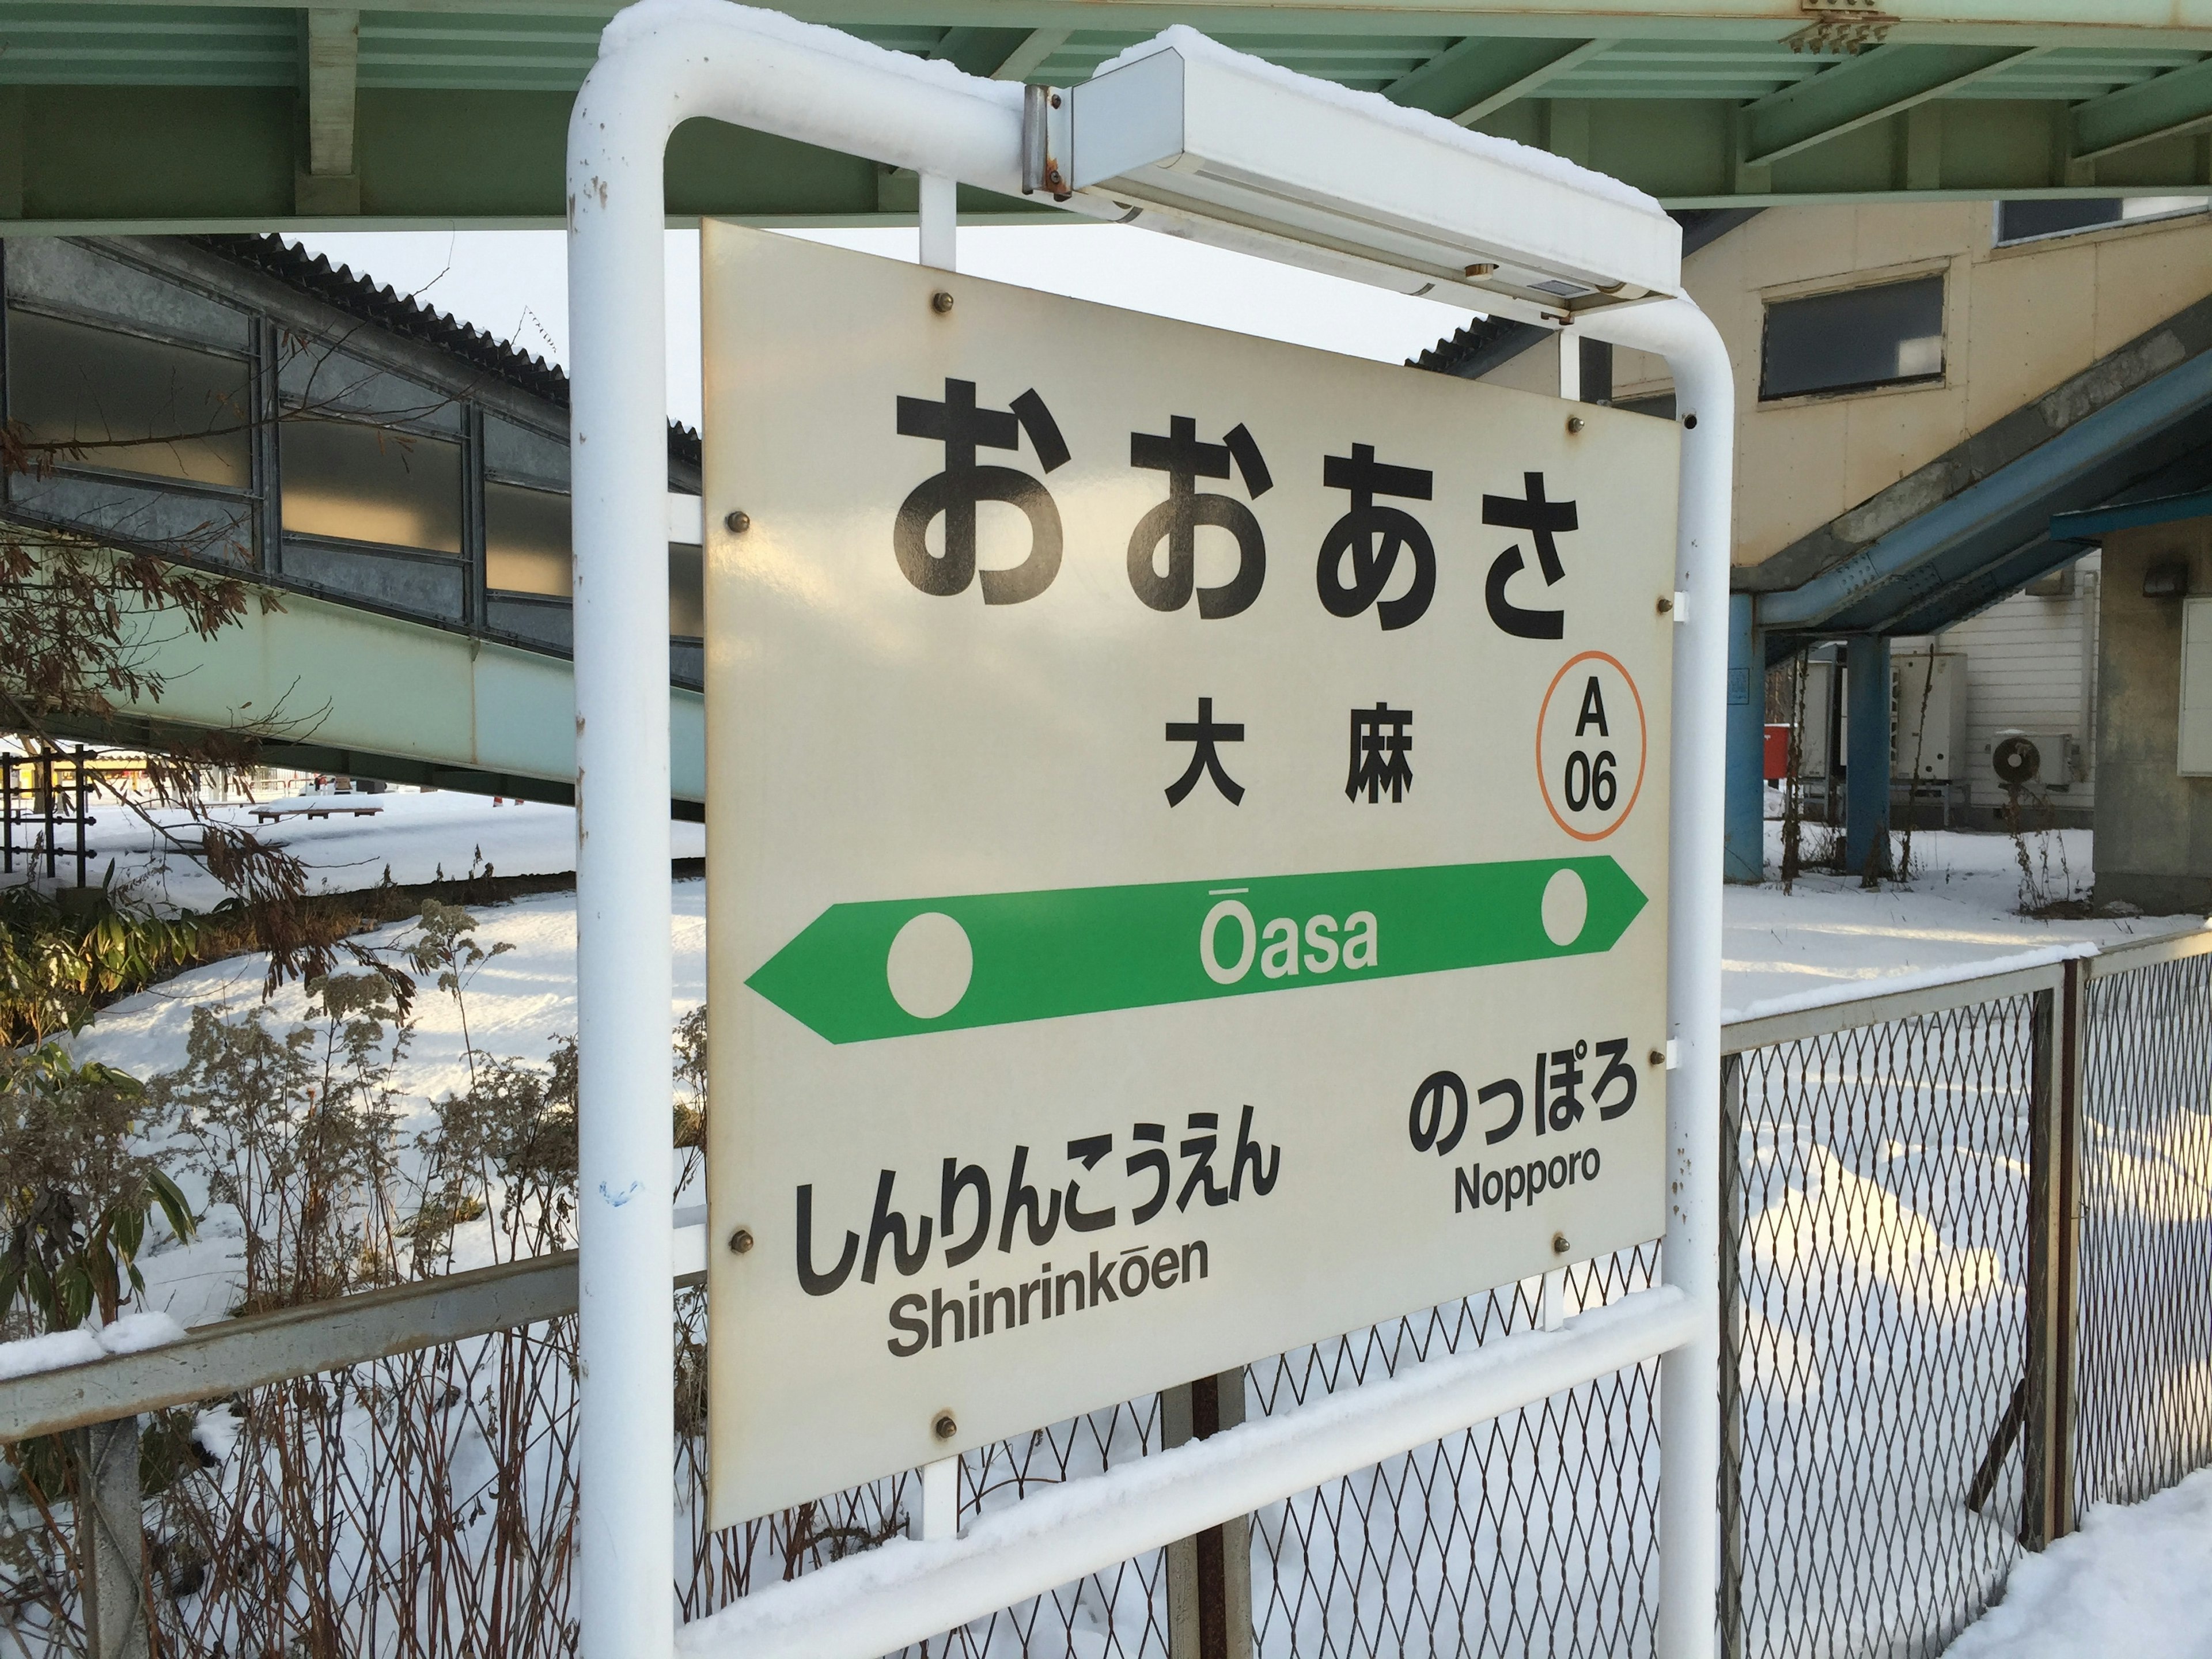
(133, 1333)
(2136, 1580)
(413, 835)
(48, 1353)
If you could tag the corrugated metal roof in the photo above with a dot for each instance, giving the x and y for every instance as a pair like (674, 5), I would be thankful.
(386, 308)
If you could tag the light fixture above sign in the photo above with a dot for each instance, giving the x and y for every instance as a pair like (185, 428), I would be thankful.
(1184, 135)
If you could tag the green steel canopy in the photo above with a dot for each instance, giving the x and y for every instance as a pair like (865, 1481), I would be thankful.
(183, 115)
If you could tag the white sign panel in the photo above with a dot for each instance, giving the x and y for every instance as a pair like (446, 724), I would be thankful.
(1186, 852)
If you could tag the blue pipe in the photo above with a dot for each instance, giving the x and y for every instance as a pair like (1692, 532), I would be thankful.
(2014, 488)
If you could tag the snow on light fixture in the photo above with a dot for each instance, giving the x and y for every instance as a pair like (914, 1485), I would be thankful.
(1182, 134)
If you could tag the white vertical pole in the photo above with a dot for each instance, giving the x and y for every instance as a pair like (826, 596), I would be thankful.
(940, 1500)
(1689, 1377)
(619, 450)
(655, 70)
(940, 221)
(1570, 366)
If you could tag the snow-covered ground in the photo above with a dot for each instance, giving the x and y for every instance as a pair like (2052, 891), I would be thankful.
(414, 835)
(1829, 935)
(1962, 906)
(2135, 1582)
(517, 1004)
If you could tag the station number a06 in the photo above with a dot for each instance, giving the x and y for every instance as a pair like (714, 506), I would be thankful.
(1591, 741)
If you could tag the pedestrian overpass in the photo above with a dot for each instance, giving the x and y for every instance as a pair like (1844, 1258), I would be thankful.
(432, 648)
(397, 491)
(362, 692)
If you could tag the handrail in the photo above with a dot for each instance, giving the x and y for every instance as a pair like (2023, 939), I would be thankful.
(1879, 1007)
(2149, 953)
(220, 1360)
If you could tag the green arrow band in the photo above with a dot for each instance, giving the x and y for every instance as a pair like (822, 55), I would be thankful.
(1086, 950)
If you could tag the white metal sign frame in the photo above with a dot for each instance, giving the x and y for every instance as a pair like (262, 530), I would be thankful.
(666, 61)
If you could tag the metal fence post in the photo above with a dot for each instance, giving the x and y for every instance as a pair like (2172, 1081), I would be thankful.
(46, 804)
(83, 851)
(1210, 1574)
(1731, 1380)
(112, 1539)
(2054, 1227)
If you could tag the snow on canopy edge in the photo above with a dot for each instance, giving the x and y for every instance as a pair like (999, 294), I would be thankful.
(1525, 158)
(637, 22)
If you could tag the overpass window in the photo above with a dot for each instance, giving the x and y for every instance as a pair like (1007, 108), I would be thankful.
(132, 405)
(2035, 221)
(357, 482)
(526, 540)
(1853, 341)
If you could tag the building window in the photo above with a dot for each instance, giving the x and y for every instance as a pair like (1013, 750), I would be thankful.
(1862, 337)
(526, 540)
(130, 405)
(2036, 221)
(357, 482)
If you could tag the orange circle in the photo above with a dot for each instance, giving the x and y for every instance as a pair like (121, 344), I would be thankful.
(1644, 746)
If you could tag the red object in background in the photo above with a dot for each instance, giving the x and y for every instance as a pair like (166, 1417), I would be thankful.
(1777, 753)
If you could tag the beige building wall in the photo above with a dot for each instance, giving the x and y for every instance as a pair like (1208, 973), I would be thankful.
(2017, 321)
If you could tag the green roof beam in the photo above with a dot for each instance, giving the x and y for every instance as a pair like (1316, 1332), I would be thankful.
(1481, 75)
(1873, 87)
(1029, 53)
(2165, 106)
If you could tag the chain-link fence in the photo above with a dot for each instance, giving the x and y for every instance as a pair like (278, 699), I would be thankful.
(1534, 1533)
(1875, 1339)
(1892, 1201)
(2144, 1416)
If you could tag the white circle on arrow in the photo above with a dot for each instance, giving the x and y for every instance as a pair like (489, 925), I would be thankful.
(1566, 908)
(931, 962)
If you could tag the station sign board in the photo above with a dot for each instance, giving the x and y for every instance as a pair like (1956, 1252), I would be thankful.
(1186, 852)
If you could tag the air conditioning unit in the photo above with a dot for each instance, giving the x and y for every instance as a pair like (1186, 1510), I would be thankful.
(2033, 760)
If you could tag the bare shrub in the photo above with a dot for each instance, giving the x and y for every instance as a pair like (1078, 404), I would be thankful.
(297, 1132)
(2045, 890)
(423, 1506)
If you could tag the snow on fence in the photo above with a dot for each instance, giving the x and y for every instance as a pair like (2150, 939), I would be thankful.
(1971, 1293)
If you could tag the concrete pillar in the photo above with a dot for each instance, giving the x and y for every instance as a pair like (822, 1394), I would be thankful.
(1744, 855)
(1866, 782)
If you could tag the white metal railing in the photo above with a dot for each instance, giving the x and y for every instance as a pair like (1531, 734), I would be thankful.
(940, 1582)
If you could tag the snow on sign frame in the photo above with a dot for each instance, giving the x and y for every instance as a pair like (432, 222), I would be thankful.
(1187, 852)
